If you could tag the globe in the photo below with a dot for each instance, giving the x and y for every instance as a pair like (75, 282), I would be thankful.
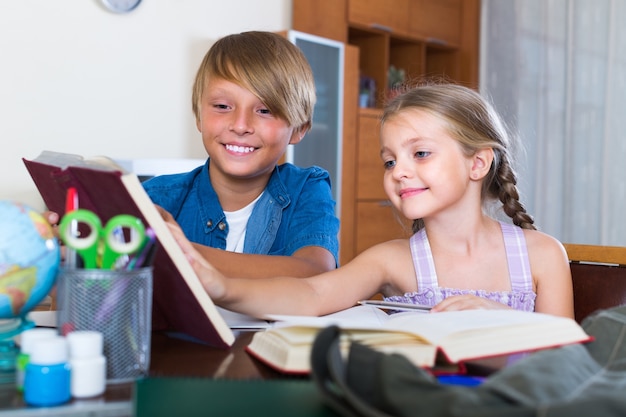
(29, 260)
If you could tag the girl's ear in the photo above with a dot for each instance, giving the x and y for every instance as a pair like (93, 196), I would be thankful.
(481, 163)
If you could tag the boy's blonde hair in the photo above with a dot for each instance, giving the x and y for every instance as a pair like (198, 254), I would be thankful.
(473, 122)
(268, 65)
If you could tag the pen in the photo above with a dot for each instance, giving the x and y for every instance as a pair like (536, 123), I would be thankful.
(394, 305)
(71, 204)
(465, 380)
(149, 259)
(143, 257)
(123, 260)
(112, 298)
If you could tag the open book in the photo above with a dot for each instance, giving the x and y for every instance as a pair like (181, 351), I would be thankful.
(180, 304)
(426, 339)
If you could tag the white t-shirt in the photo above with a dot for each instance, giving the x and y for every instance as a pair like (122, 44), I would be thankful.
(237, 224)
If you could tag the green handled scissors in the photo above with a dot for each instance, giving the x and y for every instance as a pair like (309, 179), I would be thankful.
(103, 245)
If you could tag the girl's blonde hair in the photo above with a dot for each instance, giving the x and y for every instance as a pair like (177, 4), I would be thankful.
(268, 65)
(475, 124)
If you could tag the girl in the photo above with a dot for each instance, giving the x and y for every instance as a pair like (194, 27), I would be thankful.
(446, 158)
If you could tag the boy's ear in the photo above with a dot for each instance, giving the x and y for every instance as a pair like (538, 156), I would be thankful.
(298, 134)
(481, 163)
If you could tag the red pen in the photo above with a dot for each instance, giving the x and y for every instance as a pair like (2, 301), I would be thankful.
(71, 200)
(71, 204)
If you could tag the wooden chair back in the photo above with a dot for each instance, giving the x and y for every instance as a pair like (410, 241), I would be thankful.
(598, 277)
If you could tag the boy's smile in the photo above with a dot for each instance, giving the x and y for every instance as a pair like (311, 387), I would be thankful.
(240, 149)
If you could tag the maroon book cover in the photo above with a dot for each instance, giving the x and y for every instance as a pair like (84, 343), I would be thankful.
(180, 304)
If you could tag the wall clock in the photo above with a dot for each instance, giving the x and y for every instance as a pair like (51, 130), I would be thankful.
(120, 6)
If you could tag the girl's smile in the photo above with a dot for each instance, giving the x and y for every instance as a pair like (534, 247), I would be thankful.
(410, 192)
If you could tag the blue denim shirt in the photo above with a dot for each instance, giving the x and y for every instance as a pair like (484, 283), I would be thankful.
(296, 210)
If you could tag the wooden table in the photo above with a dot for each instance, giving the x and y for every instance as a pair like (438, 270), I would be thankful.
(173, 357)
(169, 357)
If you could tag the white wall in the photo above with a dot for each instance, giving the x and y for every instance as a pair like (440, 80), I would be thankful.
(77, 78)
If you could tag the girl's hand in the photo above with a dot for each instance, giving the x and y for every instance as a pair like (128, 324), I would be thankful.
(212, 280)
(468, 302)
(166, 215)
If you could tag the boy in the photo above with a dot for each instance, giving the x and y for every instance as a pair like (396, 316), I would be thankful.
(253, 95)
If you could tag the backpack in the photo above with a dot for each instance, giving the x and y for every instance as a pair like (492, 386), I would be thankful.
(574, 380)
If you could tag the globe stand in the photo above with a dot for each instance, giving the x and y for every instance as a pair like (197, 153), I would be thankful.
(9, 328)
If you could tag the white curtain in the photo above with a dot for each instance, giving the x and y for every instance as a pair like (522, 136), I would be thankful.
(556, 72)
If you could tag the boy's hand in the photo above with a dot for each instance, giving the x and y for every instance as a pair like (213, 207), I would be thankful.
(53, 218)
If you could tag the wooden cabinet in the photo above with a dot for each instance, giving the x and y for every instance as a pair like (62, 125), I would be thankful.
(376, 222)
(325, 18)
(439, 21)
(425, 42)
(370, 171)
(389, 15)
(426, 38)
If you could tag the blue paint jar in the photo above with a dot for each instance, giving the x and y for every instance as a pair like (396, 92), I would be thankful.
(27, 338)
(47, 376)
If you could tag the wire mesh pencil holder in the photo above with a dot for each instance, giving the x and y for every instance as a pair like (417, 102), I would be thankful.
(117, 303)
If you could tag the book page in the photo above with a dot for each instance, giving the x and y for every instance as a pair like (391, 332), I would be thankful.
(287, 346)
(43, 318)
(436, 327)
(472, 334)
(64, 160)
(358, 317)
(459, 335)
(236, 320)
